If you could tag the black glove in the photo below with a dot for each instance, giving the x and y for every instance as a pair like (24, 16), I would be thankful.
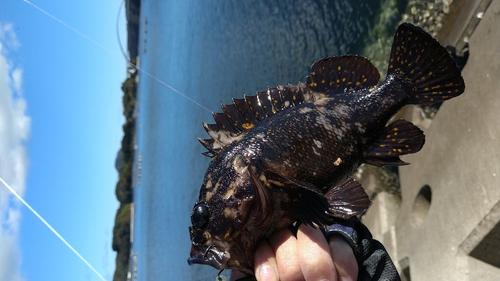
(373, 260)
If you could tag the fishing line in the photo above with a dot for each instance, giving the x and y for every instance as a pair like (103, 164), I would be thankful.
(130, 64)
(52, 229)
(117, 55)
(124, 54)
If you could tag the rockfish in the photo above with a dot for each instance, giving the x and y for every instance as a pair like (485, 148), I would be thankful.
(287, 154)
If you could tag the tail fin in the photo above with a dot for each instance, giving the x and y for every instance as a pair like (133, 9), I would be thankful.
(426, 66)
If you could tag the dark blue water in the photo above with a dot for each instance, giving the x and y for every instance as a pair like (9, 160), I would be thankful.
(212, 51)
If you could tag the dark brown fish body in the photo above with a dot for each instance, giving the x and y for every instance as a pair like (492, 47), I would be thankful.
(287, 154)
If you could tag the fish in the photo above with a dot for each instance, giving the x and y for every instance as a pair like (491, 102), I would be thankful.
(287, 155)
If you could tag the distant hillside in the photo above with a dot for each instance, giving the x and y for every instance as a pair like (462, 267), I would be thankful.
(125, 157)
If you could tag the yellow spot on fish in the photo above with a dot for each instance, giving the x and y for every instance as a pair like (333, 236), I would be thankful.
(277, 183)
(229, 193)
(247, 126)
(210, 194)
(262, 177)
(208, 185)
(337, 162)
(228, 213)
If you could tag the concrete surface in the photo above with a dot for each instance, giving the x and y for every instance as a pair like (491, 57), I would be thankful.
(447, 225)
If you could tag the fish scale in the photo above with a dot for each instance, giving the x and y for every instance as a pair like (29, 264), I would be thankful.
(287, 154)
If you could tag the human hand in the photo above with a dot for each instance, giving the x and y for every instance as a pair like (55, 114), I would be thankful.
(309, 256)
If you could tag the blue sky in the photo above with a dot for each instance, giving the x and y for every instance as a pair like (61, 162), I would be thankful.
(60, 130)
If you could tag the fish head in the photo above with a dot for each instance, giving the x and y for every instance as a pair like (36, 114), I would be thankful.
(230, 216)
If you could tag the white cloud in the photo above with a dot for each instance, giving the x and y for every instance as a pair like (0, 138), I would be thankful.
(14, 131)
(17, 75)
(8, 37)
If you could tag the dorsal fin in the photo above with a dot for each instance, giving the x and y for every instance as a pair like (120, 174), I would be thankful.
(329, 76)
(335, 75)
(245, 114)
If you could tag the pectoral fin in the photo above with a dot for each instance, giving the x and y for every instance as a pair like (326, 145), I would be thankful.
(347, 199)
(398, 138)
(310, 203)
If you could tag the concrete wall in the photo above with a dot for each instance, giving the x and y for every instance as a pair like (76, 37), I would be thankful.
(447, 224)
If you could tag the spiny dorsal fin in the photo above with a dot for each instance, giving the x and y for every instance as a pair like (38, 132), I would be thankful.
(245, 114)
(337, 75)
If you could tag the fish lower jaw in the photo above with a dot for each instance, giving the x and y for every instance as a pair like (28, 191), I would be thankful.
(210, 256)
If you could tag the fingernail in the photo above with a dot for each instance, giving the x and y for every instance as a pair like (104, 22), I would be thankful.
(267, 273)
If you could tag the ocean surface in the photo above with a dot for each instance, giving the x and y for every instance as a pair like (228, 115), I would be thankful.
(196, 55)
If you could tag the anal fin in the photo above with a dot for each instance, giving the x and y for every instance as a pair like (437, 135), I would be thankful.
(347, 199)
(398, 138)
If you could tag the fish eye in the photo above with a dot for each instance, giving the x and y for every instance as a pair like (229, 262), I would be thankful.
(199, 217)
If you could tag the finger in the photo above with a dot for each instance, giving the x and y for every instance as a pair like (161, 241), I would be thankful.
(284, 245)
(343, 258)
(314, 255)
(265, 263)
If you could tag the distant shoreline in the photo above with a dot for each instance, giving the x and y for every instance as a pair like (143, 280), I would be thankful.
(122, 231)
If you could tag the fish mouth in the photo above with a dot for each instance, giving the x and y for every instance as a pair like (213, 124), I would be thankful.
(209, 255)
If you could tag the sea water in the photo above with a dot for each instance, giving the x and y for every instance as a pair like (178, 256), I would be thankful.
(211, 51)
